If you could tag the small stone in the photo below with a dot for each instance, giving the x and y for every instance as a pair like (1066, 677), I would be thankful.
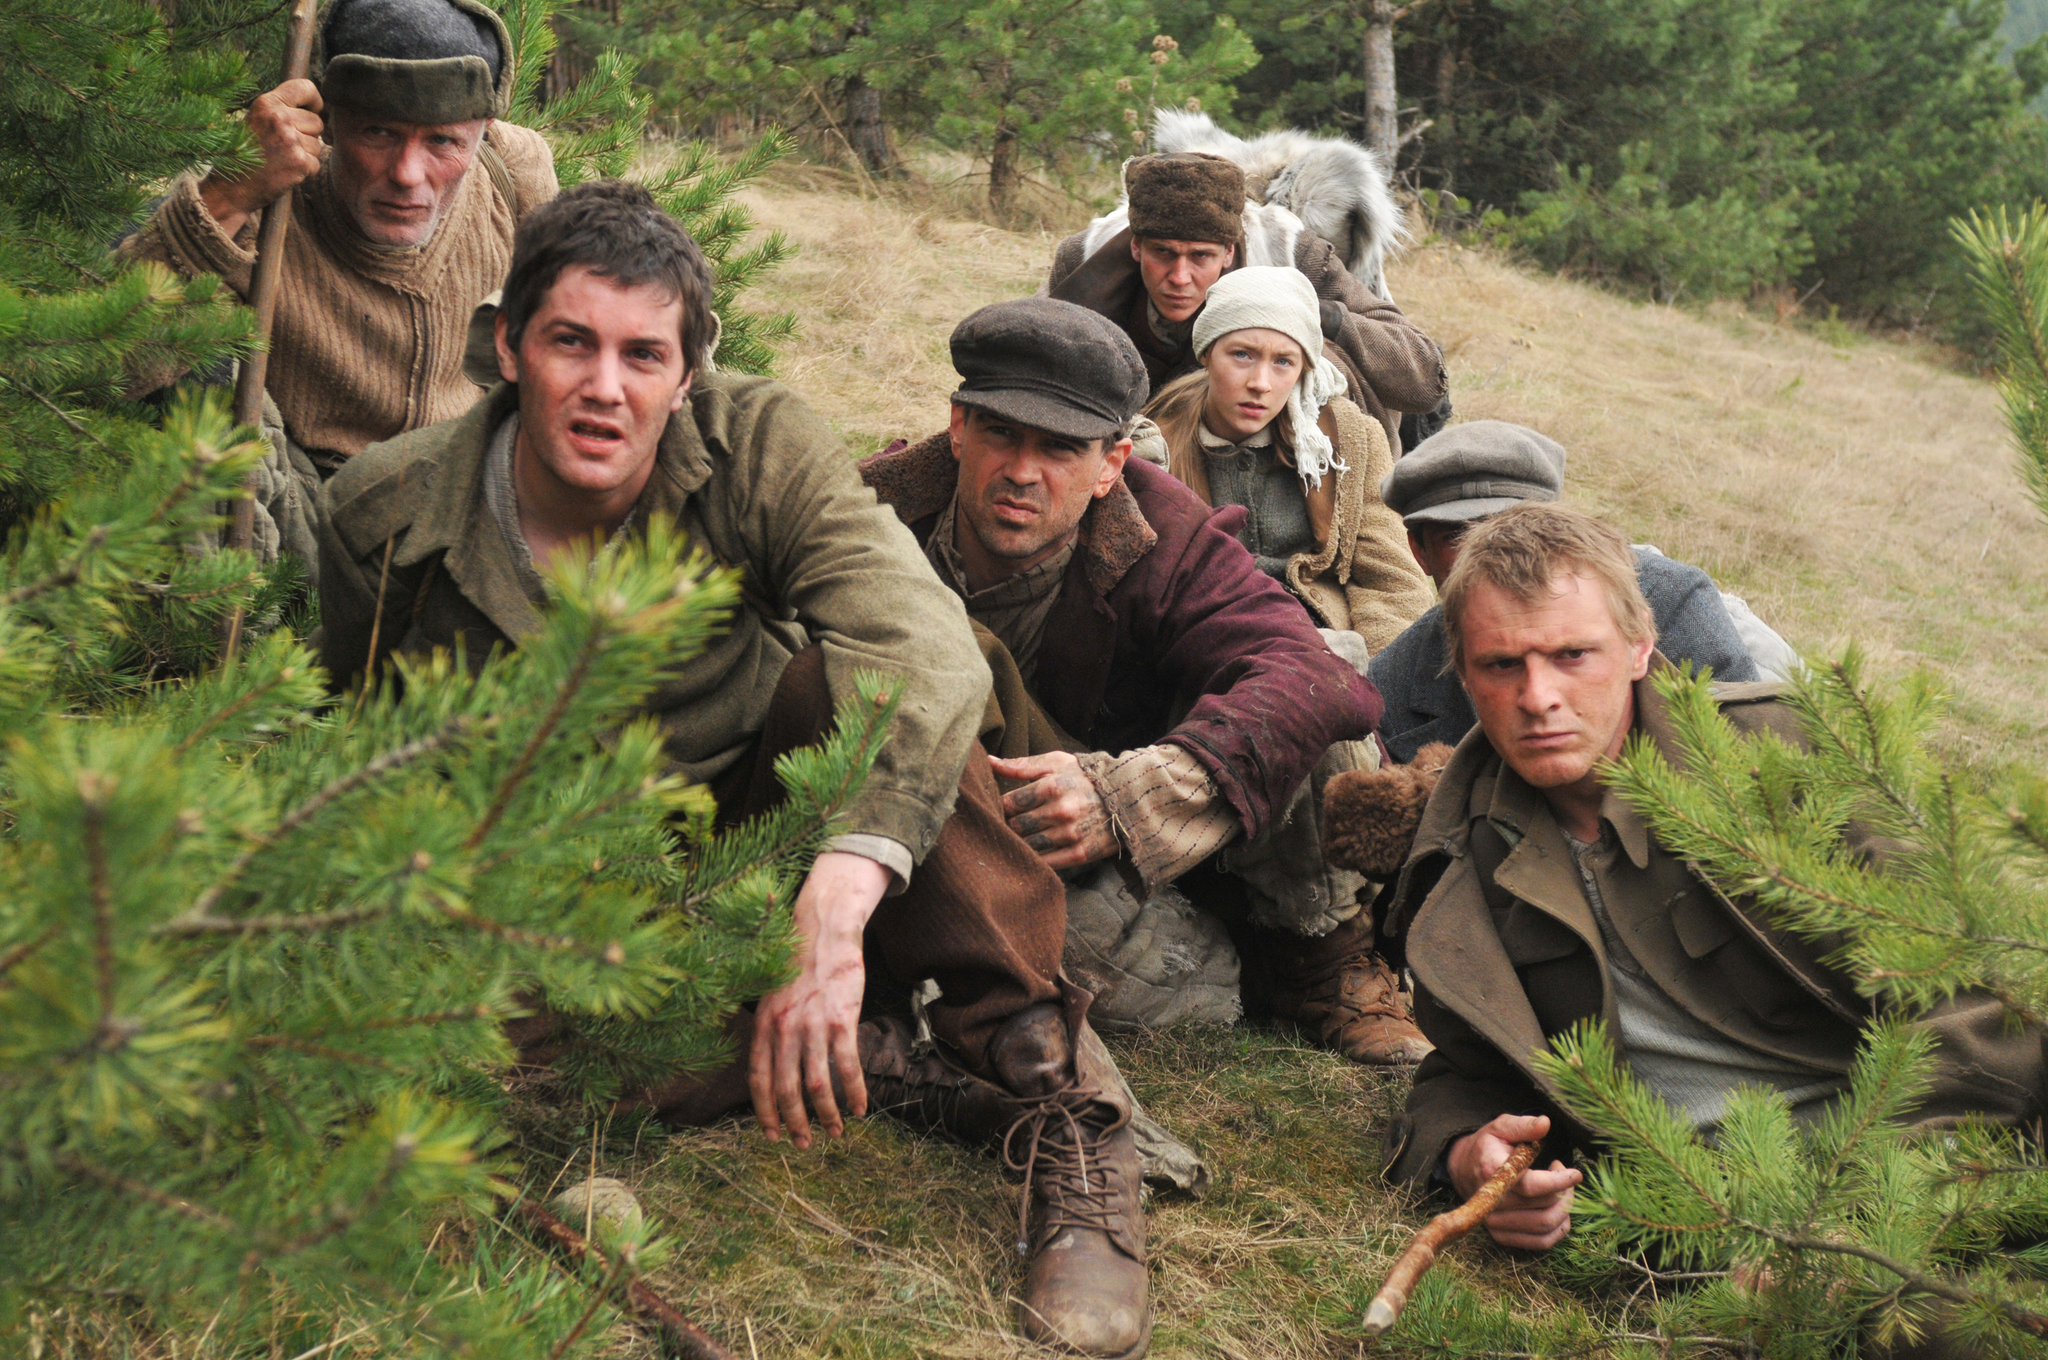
(600, 1199)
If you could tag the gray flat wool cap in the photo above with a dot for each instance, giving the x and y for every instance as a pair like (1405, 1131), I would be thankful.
(1051, 365)
(1473, 470)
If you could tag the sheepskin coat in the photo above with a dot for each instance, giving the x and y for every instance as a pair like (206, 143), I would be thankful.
(1361, 576)
(1166, 630)
(1393, 368)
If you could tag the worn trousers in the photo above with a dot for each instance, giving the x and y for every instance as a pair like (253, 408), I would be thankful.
(982, 916)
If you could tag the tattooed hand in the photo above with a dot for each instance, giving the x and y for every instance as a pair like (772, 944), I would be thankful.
(1057, 812)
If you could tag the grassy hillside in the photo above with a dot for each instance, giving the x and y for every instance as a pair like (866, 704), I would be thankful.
(1847, 488)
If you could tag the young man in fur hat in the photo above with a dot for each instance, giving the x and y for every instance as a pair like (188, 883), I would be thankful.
(395, 235)
(607, 416)
(1185, 704)
(1187, 218)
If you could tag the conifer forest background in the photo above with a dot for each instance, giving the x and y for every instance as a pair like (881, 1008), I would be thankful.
(256, 944)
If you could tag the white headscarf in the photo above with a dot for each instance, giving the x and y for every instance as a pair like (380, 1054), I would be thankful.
(1276, 298)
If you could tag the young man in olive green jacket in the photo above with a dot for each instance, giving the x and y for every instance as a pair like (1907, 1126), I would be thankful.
(610, 415)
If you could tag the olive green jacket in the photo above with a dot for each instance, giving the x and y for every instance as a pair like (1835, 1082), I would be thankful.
(1492, 917)
(757, 480)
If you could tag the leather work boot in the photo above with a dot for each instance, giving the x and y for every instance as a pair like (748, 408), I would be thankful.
(1344, 993)
(929, 1091)
(1080, 1221)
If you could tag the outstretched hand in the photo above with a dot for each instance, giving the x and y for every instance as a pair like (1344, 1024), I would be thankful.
(1057, 812)
(806, 1033)
(285, 123)
(1536, 1212)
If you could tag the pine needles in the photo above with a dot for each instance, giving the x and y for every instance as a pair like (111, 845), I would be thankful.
(2008, 261)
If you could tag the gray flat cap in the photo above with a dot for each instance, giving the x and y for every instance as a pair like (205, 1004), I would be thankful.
(1051, 365)
(1470, 471)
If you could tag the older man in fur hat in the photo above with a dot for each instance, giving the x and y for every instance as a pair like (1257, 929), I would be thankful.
(1186, 228)
(394, 240)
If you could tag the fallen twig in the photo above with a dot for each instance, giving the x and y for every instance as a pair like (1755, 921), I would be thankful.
(687, 1339)
(1438, 1233)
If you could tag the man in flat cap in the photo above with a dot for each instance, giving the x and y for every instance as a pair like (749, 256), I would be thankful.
(393, 241)
(608, 416)
(1186, 228)
(1182, 699)
(1469, 473)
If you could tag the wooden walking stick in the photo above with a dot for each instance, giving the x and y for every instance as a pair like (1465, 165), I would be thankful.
(277, 219)
(1439, 1233)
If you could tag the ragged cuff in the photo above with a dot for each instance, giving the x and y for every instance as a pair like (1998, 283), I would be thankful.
(184, 235)
(1164, 807)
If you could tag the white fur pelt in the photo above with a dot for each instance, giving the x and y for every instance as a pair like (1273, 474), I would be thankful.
(1336, 188)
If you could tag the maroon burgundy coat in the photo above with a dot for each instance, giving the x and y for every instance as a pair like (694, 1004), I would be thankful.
(1167, 631)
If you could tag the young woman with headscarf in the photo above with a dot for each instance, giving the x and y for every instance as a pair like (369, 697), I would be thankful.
(1264, 424)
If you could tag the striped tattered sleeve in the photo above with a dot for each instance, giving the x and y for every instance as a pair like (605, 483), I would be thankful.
(1165, 808)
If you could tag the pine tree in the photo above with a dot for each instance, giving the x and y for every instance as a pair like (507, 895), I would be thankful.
(2008, 260)
(256, 947)
(598, 128)
(1855, 1225)
(1016, 84)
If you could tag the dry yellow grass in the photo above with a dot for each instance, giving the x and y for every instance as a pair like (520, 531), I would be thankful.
(1850, 491)
(1853, 490)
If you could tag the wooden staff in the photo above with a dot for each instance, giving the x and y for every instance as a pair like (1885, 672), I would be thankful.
(1439, 1233)
(685, 1337)
(277, 219)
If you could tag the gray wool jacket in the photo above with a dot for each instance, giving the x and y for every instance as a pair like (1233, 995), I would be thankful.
(1424, 704)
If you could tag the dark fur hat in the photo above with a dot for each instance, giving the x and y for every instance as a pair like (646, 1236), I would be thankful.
(1186, 196)
(1370, 816)
(417, 61)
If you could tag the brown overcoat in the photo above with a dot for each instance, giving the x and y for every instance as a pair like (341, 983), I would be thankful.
(757, 480)
(1392, 366)
(1493, 921)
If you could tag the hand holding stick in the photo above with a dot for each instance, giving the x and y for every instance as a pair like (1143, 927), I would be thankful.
(1438, 1233)
(263, 285)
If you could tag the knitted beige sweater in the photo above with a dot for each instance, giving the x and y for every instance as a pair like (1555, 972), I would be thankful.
(368, 340)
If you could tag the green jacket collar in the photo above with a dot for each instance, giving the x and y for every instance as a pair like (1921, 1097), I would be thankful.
(454, 519)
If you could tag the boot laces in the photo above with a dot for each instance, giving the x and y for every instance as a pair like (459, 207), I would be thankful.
(1366, 988)
(1058, 1143)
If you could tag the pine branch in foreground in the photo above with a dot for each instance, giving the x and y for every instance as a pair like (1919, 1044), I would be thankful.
(254, 957)
(2008, 261)
(1814, 1236)
(1960, 899)
(1785, 1240)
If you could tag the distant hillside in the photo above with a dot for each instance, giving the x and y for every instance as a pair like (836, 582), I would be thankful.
(1849, 488)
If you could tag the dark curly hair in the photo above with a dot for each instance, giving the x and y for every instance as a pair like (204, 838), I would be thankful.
(614, 229)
